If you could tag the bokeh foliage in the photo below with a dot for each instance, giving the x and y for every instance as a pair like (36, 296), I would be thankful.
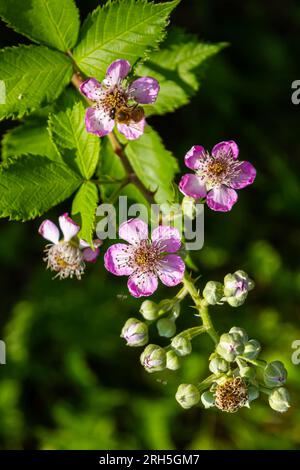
(69, 381)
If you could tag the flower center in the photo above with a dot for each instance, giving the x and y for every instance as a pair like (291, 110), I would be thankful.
(217, 167)
(65, 259)
(218, 170)
(146, 255)
(113, 99)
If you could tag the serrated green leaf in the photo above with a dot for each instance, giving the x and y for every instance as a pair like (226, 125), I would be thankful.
(68, 131)
(29, 186)
(33, 75)
(177, 68)
(126, 29)
(111, 166)
(33, 138)
(154, 165)
(85, 205)
(51, 22)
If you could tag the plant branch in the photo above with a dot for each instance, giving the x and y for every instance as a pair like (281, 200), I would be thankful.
(189, 284)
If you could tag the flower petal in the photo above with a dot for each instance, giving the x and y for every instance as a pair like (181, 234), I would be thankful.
(192, 158)
(244, 177)
(49, 231)
(133, 231)
(193, 186)
(221, 198)
(167, 237)
(117, 259)
(228, 148)
(142, 284)
(133, 130)
(171, 270)
(68, 227)
(91, 88)
(98, 122)
(84, 244)
(144, 90)
(90, 255)
(117, 70)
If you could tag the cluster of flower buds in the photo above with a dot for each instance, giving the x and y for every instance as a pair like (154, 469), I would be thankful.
(234, 290)
(155, 358)
(238, 377)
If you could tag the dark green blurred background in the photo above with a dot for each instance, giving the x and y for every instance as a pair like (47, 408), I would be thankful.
(69, 381)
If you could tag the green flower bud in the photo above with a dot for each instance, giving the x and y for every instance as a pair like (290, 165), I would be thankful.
(208, 399)
(218, 365)
(166, 327)
(241, 332)
(181, 345)
(237, 283)
(275, 374)
(213, 292)
(187, 395)
(279, 400)
(135, 333)
(237, 300)
(236, 287)
(189, 207)
(173, 361)
(149, 310)
(230, 346)
(153, 358)
(252, 349)
(247, 372)
(253, 393)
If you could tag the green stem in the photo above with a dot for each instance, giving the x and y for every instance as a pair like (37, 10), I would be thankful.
(207, 382)
(258, 363)
(191, 333)
(201, 307)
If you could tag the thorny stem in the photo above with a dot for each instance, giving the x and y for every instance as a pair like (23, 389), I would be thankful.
(119, 150)
(202, 308)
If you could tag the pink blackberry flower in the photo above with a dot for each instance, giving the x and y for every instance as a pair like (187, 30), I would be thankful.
(117, 102)
(217, 175)
(145, 260)
(67, 257)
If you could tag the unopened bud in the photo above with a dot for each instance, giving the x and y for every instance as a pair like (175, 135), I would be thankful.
(241, 332)
(166, 327)
(153, 358)
(279, 399)
(149, 310)
(230, 346)
(237, 283)
(253, 393)
(187, 395)
(173, 361)
(135, 333)
(181, 345)
(275, 374)
(247, 372)
(236, 287)
(213, 292)
(208, 399)
(218, 365)
(252, 349)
